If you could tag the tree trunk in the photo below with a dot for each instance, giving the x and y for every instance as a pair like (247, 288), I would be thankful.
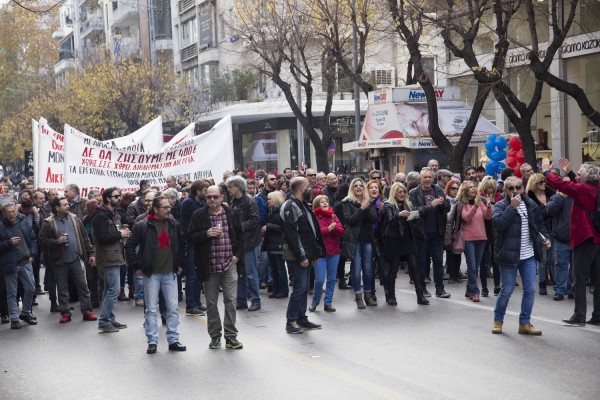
(524, 130)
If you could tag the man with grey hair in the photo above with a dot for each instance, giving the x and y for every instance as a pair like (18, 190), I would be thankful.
(311, 174)
(76, 203)
(526, 172)
(520, 237)
(434, 165)
(400, 177)
(585, 239)
(443, 177)
(18, 247)
(245, 209)
(412, 180)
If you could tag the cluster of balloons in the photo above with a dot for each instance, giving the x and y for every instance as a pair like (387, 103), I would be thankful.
(494, 148)
(516, 156)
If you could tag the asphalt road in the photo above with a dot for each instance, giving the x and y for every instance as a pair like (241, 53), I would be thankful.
(442, 351)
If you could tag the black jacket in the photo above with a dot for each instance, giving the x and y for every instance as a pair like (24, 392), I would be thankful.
(8, 252)
(417, 199)
(198, 237)
(245, 210)
(302, 237)
(559, 208)
(107, 237)
(273, 240)
(507, 220)
(141, 246)
(355, 217)
(136, 208)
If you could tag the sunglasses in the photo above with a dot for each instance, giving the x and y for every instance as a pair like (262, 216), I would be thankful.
(539, 183)
(454, 188)
(513, 188)
(375, 177)
(311, 175)
(212, 197)
(358, 185)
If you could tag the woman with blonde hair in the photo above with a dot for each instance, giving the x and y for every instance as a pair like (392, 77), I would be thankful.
(540, 193)
(273, 245)
(359, 216)
(332, 231)
(399, 241)
(488, 189)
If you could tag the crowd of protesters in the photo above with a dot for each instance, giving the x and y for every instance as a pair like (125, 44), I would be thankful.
(300, 230)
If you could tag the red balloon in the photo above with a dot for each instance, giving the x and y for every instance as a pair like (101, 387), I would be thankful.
(512, 152)
(511, 162)
(520, 156)
(515, 143)
(518, 171)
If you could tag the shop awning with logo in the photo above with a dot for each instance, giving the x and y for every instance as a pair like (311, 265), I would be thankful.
(405, 124)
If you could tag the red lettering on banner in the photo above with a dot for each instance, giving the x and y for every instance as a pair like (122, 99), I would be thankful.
(88, 152)
(57, 146)
(52, 177)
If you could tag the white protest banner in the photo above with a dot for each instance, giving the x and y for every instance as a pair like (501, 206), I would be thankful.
(48, 150)
(49, 161)
(35, 141)
(185, 134)
(91, 164)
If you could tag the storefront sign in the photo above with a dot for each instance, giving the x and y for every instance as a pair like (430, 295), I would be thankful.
(418, 94)
(581, 45)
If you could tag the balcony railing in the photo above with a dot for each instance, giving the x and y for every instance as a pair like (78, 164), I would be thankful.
(189, 52)
(185, 5)
(94, 22)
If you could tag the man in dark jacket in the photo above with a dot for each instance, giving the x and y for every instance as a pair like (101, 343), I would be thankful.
(218, 252)
(66, 243)
(156, 250)
(76, 202)
(193, 285)
(433, 209)
(585, 240)
(108, 238)
(520, 237)
(18, 248)
(559, 208)
(302, 248)
(136, 209)
(246, 210)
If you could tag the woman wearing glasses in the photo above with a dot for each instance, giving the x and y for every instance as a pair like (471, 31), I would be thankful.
(399, 242)
(540, 193)
(359, 216)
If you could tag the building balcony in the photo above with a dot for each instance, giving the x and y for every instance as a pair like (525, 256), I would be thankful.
(64, 64)
(185, 5)
(210, 55)
(128, 48)
(62, 33)
(93, 25)
(189, 52)
(125, 15)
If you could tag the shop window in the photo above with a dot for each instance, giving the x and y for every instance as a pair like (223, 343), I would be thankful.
(259, 151)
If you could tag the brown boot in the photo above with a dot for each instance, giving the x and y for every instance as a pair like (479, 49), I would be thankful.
(131, 292)
(359, 302)
(370, 300)
(122, 295)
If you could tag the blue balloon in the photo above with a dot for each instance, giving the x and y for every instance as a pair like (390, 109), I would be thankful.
(490, 148)
(501, 166)
(490, 170)
(501, 155)
(493, 156)
(500, 143)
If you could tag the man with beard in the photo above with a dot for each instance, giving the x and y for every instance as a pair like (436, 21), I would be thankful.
(217, 253)
(303, 246)
(108, 240)
(156, 251)
(193, 285)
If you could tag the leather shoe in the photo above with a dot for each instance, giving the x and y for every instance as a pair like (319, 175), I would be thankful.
(344, 286)
(593, 321)
(254, 307)
(241, 306)
(574, 322)
(177, 347)
(30, 320)
(151, 349)
(312, 307)
(281, 295)
(558, 297)
(442, 294)
(329, 308)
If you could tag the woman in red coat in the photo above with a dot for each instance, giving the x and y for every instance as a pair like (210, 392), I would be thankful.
(332, 231)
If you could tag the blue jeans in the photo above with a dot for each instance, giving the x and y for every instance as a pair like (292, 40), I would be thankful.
(264, 272)
(296, 310)
(112, 279)
(527, 269)
(24, 274)
(167, 284)
(473, 253)
(363, 265)
(250, 282)
(547, 263)
(562, 277)
(327, 265)
(432, 245)
(279, 274)
(138, 285)
(192, 283)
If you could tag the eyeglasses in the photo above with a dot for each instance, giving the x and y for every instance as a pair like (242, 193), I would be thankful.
(212, 196)
(375, 177)
(513, 188)
(272, 179)
(311, 175)
(358, 185)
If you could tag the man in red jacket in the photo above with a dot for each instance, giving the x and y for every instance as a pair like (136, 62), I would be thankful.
(585, 241)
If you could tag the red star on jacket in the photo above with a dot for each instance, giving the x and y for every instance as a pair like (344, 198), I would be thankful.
(163, 239)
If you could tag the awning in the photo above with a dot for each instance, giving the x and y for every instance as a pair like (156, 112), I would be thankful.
(405, 124)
